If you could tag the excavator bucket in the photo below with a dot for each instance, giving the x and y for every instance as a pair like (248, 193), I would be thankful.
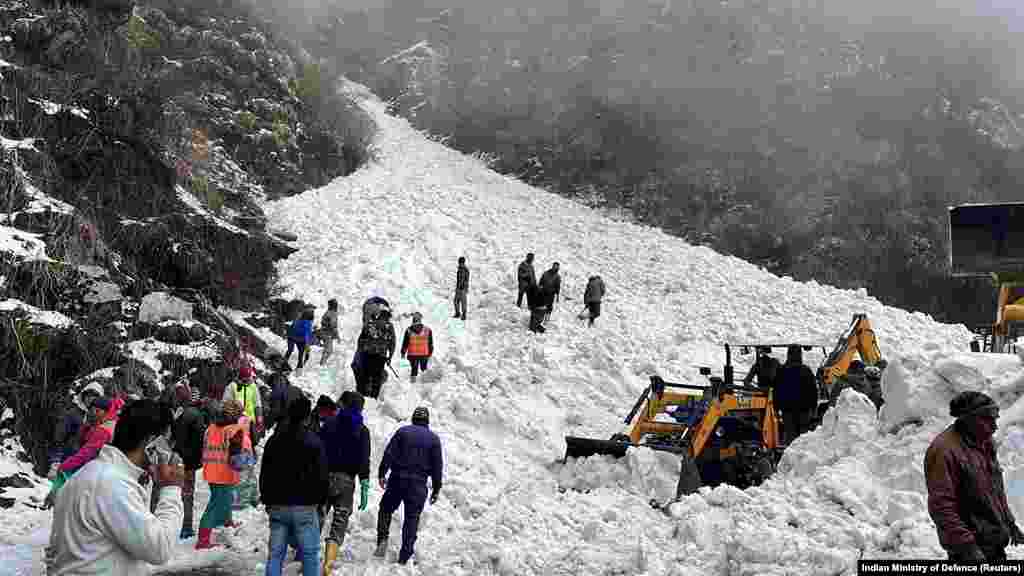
(986, 238)
(576, 447)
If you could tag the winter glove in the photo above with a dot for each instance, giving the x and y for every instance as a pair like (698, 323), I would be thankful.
(364, 493)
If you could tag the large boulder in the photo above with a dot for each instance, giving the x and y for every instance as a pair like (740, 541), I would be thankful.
(159, 306)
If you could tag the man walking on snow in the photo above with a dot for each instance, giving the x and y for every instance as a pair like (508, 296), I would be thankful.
(189, 431)
(329, 330)
(461, 287)
(102, 523)
(592, 297)
(966, 495)
(551, 288)
(347, 443)
(412, 456)
(526, 278)
(418, 343)
(376, 347)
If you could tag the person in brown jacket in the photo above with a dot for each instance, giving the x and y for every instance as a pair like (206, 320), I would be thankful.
(966, 496)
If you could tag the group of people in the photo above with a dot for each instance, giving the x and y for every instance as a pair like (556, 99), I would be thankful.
(129, 503)
(541, 295)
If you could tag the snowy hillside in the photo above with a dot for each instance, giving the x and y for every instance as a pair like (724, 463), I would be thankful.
(502, 399)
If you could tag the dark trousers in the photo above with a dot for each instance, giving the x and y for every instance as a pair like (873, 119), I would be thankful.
(537, 319)
(419, 363)
(412, 492)
(188, 497)
(795, 423)
(371, 375)
(522, 292)
(991, 555)
(303, 352)
(595, 311)
(460, 304)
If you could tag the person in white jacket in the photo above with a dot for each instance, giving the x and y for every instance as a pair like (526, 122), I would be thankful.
(101, 521)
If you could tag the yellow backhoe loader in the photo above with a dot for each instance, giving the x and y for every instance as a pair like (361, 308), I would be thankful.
(987, 240)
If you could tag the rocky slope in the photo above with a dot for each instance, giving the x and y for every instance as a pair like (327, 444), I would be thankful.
(137, 144)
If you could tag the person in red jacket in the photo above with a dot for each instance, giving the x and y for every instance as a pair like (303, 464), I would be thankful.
(418, 344)
(96, 436)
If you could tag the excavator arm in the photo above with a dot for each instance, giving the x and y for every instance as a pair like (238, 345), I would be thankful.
(860, 340)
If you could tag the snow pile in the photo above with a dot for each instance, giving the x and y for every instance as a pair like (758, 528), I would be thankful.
(22, 245)
(36, 315)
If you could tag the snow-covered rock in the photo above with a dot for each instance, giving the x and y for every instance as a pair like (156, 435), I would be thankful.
(159, 306)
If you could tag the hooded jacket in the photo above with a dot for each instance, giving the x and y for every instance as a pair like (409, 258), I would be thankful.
(294, 470)
(594, 291)
(347, 443)
(102, 523)
(413, 330)
(97, 436)
(526, 275)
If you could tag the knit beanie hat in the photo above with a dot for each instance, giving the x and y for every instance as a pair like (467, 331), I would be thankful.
(420, 415)
(971, 403)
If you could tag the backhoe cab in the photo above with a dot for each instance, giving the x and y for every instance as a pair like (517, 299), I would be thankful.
(987, 241)
(722, 432)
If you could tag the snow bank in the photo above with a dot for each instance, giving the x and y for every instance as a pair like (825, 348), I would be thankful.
(22, 245)
(37, 316)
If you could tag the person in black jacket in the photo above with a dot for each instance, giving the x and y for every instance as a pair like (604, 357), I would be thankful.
(347, 443)
(461, 288)
(189, 435)
(526, 277)
(796, 394)
(412, 456)
(293, 482)
(551, 288)
(535, 300)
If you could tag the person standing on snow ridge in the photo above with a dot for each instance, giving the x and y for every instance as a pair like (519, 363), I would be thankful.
(592, 297)
(189, 430)
(223, 435)
(329, 330)
(347, 443)
(461, 288)
(535, 300)
(551, 288)
(293, 482)
(101, 523)
(413, 454)
(418, 343)
(67, 437)
(526, 277)
(966, 495)
(300, 335)
(796, 394)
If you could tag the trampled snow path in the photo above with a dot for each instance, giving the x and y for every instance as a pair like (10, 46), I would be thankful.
(502, 399)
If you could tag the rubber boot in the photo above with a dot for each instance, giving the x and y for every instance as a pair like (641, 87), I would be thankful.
(203, 542)
(330, 555)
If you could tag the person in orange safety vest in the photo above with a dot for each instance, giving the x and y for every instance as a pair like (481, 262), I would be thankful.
(417, 345)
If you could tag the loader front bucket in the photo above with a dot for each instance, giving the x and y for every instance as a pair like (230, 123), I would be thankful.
(576, 447)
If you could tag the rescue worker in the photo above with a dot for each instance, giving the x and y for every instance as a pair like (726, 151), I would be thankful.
(67, 436)
(222, 436)
(329, 330)
(526, 277)
(347, 443)
(796, 394)
(246, 392)
(966, 495)
(592, 297)
(294, 458)
(413, 454)
(765, 369)
(418, 344)
(461, 288)
(300, 336)
(189, 430)
(101, 523)
(551, 288)
(376, 345)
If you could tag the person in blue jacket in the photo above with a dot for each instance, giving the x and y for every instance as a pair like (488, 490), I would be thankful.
(300, 335)
(412, 456)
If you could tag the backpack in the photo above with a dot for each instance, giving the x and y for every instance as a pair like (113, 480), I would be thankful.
(376, 337)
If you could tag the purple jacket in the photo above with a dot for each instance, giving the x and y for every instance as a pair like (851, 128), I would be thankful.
(414, 452)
